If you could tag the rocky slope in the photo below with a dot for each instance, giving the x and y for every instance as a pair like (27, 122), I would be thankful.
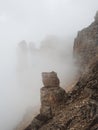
(77, 109)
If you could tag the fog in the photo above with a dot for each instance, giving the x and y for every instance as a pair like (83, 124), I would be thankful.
(36, 36)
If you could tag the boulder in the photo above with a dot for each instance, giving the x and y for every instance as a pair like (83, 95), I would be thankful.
(50, 79)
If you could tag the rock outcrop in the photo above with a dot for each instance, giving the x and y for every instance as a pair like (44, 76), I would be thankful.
(77, 109)
(86, 44)
(52, 96)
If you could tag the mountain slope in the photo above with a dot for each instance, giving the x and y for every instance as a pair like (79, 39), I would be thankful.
(77, 109)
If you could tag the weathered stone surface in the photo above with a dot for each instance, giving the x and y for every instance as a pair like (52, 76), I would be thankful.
(50, 99)
(46, 111)
(50, 79)
(51, 94)
(86, 44)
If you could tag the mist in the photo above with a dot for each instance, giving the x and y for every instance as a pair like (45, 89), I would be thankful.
(35, 37)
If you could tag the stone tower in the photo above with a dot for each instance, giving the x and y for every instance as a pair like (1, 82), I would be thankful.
(52, 95)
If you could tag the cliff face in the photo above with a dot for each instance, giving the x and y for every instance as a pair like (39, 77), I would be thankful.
(86, 44)
(77, 109)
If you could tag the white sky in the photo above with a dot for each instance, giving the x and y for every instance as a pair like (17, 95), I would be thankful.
(32, 20)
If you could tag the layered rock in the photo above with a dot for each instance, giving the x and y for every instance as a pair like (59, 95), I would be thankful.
(50, 79)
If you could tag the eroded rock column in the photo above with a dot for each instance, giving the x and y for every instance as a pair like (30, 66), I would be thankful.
(51, 94)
